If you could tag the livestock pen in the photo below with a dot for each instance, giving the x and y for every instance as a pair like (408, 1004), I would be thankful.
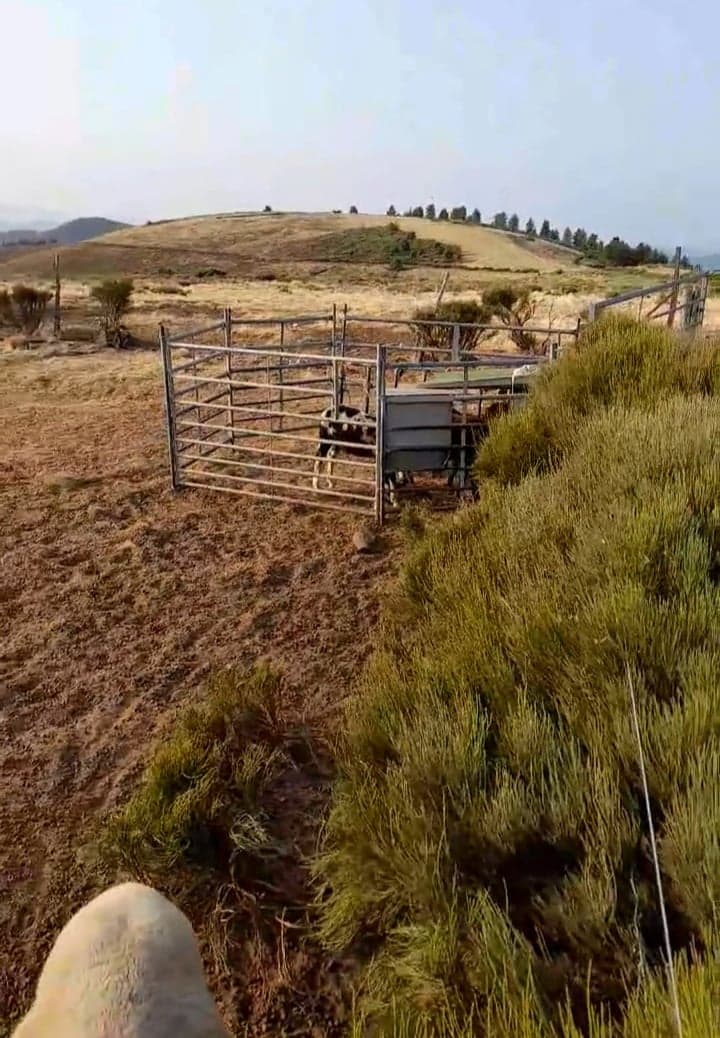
(252, 405)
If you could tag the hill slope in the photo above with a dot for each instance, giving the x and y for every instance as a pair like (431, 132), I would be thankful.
(240, 244)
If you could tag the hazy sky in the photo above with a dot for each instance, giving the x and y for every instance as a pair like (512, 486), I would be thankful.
(601, 114)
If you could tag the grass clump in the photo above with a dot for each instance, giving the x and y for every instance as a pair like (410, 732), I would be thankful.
(487, 845)
(387, 245)
(199, 803)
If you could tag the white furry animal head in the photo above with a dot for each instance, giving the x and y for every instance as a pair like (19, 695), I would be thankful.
(127, 965)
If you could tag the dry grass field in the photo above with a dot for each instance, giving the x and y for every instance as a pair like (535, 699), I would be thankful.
(119, 600)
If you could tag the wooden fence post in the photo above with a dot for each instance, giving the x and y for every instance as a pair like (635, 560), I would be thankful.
(456, 342)
(676, 288)
(56, 315)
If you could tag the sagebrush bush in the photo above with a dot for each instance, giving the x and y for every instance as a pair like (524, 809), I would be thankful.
(23, 307)
(487, 833)
(462, 311)
(114, 298)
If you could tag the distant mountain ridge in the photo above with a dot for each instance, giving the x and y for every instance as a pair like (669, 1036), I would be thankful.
(69, 233)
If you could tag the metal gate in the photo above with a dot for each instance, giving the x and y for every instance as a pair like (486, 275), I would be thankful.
(245, 419)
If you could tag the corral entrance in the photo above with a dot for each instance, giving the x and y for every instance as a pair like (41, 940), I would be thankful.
(249, 401)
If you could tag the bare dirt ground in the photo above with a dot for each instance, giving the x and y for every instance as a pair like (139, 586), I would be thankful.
(117, 598)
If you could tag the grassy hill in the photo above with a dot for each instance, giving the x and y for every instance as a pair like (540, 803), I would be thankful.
(241, 244)
(487, 853)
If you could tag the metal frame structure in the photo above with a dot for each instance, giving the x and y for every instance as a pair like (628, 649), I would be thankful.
(244, 399)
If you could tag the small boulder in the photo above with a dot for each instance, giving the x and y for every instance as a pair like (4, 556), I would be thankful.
(365, 539)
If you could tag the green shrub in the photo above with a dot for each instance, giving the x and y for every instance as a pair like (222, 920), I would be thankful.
(198, 804)
(487, 835)
(376, 245)
(617, 361)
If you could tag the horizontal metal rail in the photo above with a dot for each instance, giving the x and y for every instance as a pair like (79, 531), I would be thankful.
(285, 368)
(488, 359)
(329, 358)
(302, 502)
(304, 319)
(202, 380)
(204, 330)
(346, 494)
(294, 387)
(406, 322)
(210, 402)
(279, 453)
(447, 366)
(260, 412)
(205, 359)
(364, 447)
(300, 473)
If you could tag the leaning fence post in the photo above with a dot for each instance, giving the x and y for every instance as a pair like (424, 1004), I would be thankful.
(171, 428)
(380, 435)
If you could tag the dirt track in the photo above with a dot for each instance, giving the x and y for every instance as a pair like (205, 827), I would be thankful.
(116, 599)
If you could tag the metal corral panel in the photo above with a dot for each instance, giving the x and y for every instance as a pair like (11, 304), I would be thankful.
(420, 421)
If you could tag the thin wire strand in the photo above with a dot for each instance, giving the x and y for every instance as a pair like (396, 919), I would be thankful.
(656, 860)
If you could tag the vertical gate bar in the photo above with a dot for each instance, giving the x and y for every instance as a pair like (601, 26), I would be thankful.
(169, 407)
(270, 401)
(343, 334)
(463, 431)
(281, 362)
(368, 389)
(198, 416)
(380, 435)
(227, 338)
(335, 403)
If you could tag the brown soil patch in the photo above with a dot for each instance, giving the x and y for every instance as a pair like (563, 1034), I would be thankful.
(117, 599)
